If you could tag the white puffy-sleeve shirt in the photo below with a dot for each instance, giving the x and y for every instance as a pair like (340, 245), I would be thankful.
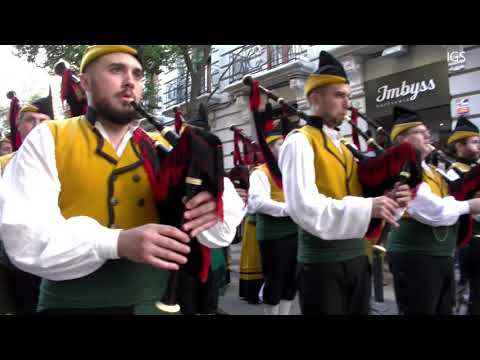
(324, 217)
(433, 210)
(39, 240)
(259, 196)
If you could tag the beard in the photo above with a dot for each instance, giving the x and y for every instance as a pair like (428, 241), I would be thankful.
(105, 110)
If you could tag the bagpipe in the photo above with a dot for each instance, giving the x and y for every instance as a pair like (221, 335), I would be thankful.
(264, 122)
(376, 174)
(242, 160)
(193, 163)
(397, 163)
(73, 93)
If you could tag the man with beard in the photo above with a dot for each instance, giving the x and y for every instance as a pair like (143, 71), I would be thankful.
(324, 197)
(89, 226)
(464, 144)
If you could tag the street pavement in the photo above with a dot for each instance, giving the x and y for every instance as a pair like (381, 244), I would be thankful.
(231, 303)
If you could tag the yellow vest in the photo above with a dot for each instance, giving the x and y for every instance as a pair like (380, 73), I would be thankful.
(436, 182)
(5, 159)
(95, 182)
(116, 192)
(415, 237)
(273, 228)
(335, 171)
(275, 192)
(335, 177)
(464, 168)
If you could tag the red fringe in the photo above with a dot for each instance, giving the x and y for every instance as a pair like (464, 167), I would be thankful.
(173, 169)
(376, 171)
(470, 183)
(178, 121)
(374, 230)
(255, 96)
(268, 126)
(220, 206)
(138, 136)
(465, 230)
(65, 78)
(206, 261)
(14, 111)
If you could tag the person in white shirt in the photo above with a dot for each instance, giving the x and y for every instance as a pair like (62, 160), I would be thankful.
(421, 250)
(276, 234)
(464, 144)
(324, 197)
(81, 213)
(21, 286)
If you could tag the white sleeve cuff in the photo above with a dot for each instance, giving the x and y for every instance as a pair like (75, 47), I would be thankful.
(107, 246)
(463, 207)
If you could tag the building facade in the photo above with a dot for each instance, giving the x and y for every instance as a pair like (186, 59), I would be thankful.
(441, 82)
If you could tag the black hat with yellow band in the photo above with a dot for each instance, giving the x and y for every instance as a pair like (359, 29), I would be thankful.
(463, 130)
(41, 106)
(403, 119)
(330, 71)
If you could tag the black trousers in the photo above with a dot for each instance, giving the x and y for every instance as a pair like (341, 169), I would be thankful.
(473, 274)
(20, 290)
(337, 288)
(279, 267)
(424, 285)
(195, 297)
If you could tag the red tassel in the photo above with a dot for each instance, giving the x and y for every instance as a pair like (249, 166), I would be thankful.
(268, 126)
(206, 261)
(255, 96)
(374, 230)
(65, 81)
(178, 121)
(15, 135)
(138, 135)
(465, 230)
(220, 206)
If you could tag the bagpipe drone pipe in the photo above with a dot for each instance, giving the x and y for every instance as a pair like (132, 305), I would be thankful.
(192, 164)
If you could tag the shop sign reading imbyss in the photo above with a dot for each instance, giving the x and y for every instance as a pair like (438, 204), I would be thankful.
(419, 88)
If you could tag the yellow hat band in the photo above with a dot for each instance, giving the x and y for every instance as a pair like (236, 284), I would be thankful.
(29, 108)
(95, 51)
(273, 138)
(397, 129)
(317, 80)
(459, 135)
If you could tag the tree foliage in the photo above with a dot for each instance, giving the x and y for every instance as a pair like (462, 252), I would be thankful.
(157, 58)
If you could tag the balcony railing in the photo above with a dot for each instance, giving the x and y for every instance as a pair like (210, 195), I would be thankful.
(236, 63)
(251, 59)
(178, 89)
